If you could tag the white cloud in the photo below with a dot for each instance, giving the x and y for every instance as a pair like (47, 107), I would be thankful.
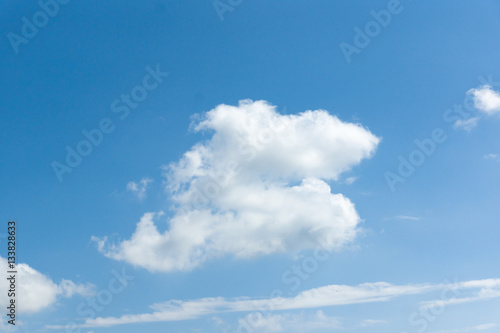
(487, 289)
(466, 124)
(256, 187)
(139, 189)
(37, 291)
(372, 322)
(350, 180)
(486, 99)
(331, 295)
(490, 156)
(494, 157)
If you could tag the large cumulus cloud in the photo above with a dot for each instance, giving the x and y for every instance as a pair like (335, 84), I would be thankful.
(257, 186)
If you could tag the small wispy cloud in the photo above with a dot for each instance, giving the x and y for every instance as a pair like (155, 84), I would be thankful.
(139, 189)
(350, 180)
(478, 290)
(490, 156)
(372, 322)
(466, 124)
(486, 99)
(487, 103)
(222, 325)
(494, 157)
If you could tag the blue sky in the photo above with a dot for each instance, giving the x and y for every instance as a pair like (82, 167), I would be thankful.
(320, 212)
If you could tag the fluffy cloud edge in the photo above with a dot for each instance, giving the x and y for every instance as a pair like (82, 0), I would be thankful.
(486, 99)
(37, 291)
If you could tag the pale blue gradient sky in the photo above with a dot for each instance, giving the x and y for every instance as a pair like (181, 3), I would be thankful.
(66, 77)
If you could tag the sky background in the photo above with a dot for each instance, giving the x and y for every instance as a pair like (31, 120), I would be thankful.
(440, 225)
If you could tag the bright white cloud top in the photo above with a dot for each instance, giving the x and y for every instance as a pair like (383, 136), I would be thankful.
(486, 99)
(256, 187)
